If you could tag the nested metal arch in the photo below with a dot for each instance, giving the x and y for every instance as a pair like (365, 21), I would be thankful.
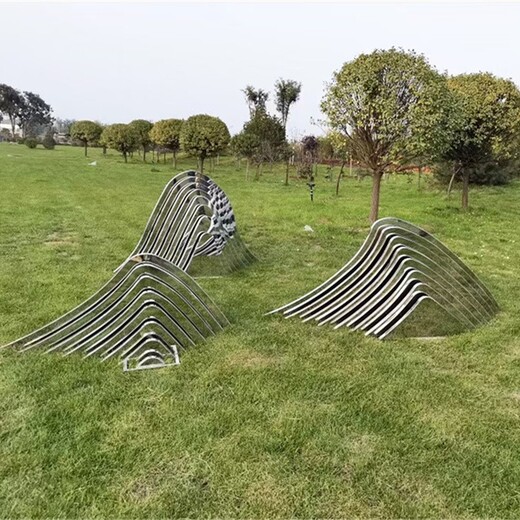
(397, 267)
(144, 315)
(151, 307)
(194, 218)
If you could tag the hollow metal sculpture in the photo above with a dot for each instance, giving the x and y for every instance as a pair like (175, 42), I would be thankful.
(151, 307)
(193, 218)
(398, 266)
(147, 312)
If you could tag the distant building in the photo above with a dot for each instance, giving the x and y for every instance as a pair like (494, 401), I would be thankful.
(5, 124)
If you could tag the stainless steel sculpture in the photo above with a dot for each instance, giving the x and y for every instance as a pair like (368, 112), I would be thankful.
(147, 312)
(151, 307)
(193, 218)
(398, 266)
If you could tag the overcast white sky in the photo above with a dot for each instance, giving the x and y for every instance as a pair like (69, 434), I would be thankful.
(115, 62)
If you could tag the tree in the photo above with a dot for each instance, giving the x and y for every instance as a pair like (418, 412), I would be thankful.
(167, 133)
(487, 127)
(287, 92)
(62, 126)
(391, 106)
(268, 132)
(123, 138)
(245, 145)
(204, 136)
(87, 132)
(143, 128)
(32, 113)
(10, 104)
(256, 100)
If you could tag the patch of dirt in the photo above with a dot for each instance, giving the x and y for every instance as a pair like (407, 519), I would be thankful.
(249, 359)
(59, 239)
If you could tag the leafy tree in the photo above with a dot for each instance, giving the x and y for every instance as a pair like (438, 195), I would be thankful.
(264, 137)
(167, 133)
(245, 145)
(33, 112)
(87, 132)
(123, 138)
(391, 106)
(287, 92)
(10, 104)
(204, 136)
(143, 128)
(62, 126)
(484, 142)
(256, 100)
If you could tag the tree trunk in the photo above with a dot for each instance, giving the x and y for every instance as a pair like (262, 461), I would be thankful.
(287, 173)
(450, 185)
(85, 143)
(340, 174)
(13, 127)
(124, 155)
(465, 189)
(218, 159)
(144, 154)
(247, 169)
(350, 166)
(104, 150)
(201, 160)
(419, 179)
(174, 159)
(376, 188)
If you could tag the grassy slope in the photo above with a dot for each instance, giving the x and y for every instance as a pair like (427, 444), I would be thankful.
(272, 417)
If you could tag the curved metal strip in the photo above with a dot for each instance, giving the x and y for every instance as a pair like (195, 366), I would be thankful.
(149, 300)
(194, 218)
(398, 266)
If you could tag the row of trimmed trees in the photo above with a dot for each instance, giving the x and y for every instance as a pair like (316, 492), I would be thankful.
(391, 109)
(201, 136)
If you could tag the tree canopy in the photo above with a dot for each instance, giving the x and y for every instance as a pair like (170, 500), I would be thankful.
(204, 136)
(33, 112)
(392, 107)
(120, 137)
(167, 133)
(142, 128)
(256, 100)
(10, 104)
(287, 92)
(88, 132)
(487, 125)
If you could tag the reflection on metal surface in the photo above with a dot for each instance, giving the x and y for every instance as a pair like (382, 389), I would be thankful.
(147, 312)
(194, 218)
(398, 266)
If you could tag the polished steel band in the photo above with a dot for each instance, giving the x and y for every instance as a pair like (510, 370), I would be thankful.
(398, 266)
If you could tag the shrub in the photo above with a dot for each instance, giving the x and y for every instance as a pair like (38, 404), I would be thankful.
(48, 141)
(31, 142)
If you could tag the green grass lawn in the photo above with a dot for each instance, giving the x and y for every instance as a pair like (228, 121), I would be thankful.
(273, 417)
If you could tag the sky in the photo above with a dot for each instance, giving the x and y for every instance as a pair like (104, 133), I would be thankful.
(114, 62)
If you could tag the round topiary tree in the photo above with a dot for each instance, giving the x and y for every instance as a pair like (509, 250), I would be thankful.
(87, 132)
(204, 136)
(143, 127)
(123, 138)
(167, 134)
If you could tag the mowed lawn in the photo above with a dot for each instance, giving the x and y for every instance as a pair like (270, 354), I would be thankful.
(273, 417)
